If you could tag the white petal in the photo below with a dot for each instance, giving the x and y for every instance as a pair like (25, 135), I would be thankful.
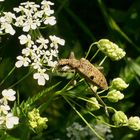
(26, 28)
(18, 64)
(41, 81)
(15, 119)
(11, 92)
(26, 64)
(62, 41)
(36, 75)
(46, 76)
(11, 98)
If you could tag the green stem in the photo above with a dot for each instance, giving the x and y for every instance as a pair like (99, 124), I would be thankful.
(111, 108)
(103, 61)
(90, 49)
(99, 92)
(21, 79)
(84, 119)
(97, 118)
(110, 125)
(7, 75)
(94, 55)
(103, 96)
(52, 95)
(100, 100)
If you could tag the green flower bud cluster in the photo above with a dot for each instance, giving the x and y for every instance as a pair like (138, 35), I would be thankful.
(93, 104)
(134, 123)
(36, 122)
(120, 119)
(114, 96)
(110, 49)
(117, 84)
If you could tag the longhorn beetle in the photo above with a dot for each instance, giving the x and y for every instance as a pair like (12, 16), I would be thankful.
(87, 70)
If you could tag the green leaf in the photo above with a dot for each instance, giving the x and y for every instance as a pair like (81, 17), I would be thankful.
(25, 104)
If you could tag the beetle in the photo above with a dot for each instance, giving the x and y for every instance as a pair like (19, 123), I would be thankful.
(90, 73)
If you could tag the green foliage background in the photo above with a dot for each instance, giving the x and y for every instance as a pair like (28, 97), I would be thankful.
(81, 22)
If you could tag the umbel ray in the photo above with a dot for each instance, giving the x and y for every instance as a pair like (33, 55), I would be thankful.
(89, 72)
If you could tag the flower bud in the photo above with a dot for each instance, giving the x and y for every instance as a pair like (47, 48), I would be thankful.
(93, 104)
(110, 49)
(134, 123)
(36, 122)
(114, 96)
(119, 84)
(32, 124)
(119, 118)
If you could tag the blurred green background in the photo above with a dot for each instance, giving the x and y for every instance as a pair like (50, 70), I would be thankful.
(81, 22)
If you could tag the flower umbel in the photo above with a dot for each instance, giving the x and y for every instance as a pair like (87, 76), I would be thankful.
(134, 123)
(7, 119)
(36, 122)
(119, 118)
(5, 23)
(93, 104)
(114, 96)
(110, 49)
(119, 84)
(31, 15)
(39, 53)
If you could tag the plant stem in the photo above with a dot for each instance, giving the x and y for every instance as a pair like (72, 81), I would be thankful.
(110, 125)
(94, 55)
(90, 49)
(103, 61)
(100, 100)
(79, 114)
(7, 75)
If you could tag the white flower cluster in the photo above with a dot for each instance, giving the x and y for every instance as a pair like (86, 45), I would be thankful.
(7, 119)
(28, 15)
(42, 52)
(31, 15)
(110, 49)
(5, 23)
(79, 132)
(39, 52)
